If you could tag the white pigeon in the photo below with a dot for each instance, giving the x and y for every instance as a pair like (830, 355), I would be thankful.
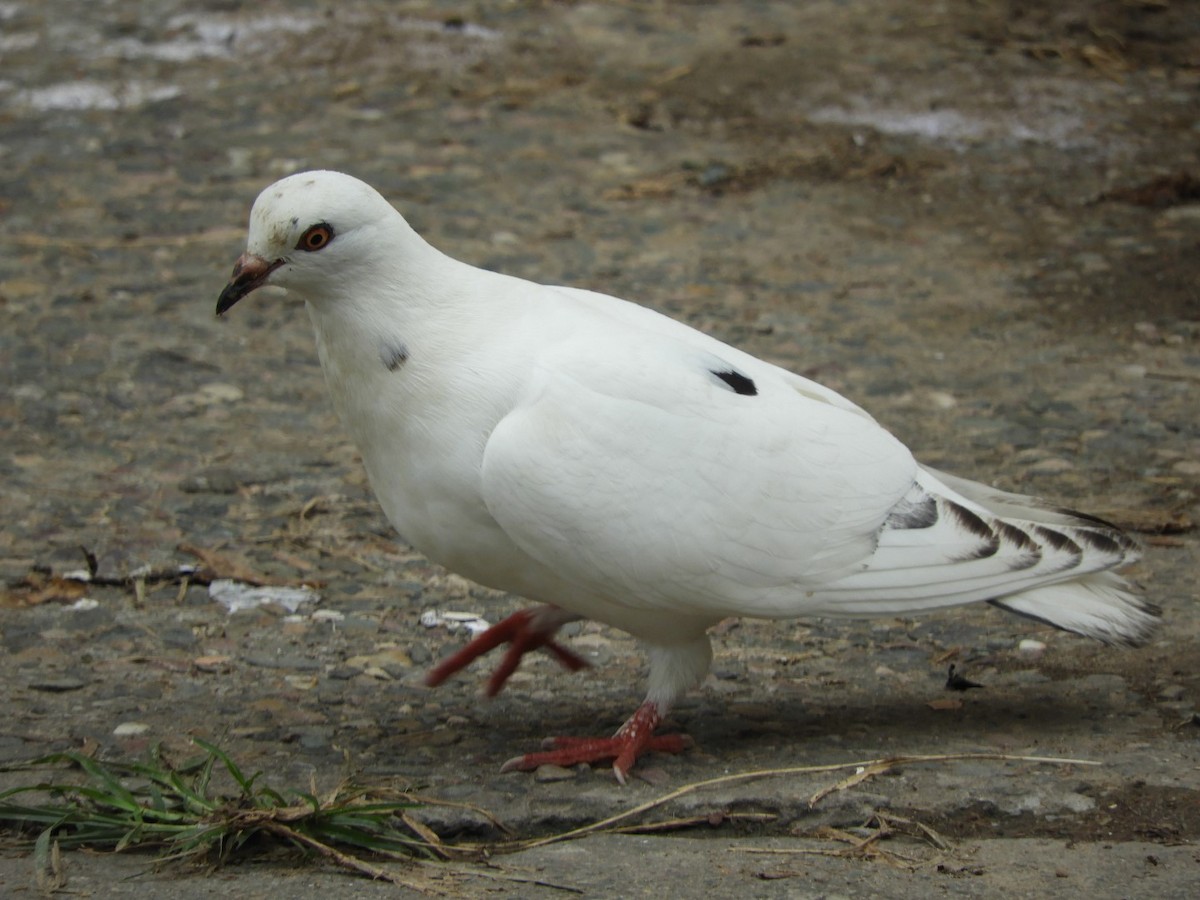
(614, 464)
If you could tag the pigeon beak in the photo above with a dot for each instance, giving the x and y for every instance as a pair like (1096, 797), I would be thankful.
(249, 272)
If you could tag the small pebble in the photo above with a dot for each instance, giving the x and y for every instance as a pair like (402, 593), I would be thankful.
(1031, 647)
(211, 663)
(130, 729)
(550, 773)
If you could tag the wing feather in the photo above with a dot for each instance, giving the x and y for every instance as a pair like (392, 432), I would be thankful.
(630, 468)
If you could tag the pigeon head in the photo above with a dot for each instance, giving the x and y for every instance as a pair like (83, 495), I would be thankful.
(309, 233)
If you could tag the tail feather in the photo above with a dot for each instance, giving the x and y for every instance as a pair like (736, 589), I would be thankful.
(1098, 606)
(953, 541)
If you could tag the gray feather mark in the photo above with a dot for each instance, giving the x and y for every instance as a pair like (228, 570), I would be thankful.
(910, 512)
(393, 355)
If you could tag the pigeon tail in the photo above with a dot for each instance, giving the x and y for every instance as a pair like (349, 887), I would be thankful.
(1098, 606)
(951, 541)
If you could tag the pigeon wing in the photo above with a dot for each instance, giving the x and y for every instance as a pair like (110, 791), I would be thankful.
(662, 475)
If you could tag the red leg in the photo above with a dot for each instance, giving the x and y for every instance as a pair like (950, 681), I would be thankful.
(633, 739)
(523, 631)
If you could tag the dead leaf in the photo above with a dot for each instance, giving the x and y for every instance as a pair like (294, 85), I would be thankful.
(38, 587)
(218, 565)
(221, 566)
(945, 703)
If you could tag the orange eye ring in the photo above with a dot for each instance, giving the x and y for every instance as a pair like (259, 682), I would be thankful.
(316, 237)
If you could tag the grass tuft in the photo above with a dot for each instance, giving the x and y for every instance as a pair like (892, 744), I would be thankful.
(177, 810)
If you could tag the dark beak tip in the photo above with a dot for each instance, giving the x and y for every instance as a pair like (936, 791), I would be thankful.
(249, 273)
(231, 295)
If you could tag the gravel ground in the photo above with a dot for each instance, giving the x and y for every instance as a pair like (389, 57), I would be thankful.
(980, 221)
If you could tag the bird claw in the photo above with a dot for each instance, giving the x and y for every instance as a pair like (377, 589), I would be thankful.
(634, 739)
(523, 632)
(526, 630)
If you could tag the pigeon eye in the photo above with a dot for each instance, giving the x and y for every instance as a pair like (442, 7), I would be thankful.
(315, 238)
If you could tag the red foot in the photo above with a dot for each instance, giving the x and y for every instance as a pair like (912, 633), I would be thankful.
(633, 739)
(523, 632)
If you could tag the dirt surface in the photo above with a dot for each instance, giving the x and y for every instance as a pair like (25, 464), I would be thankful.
(981, 221)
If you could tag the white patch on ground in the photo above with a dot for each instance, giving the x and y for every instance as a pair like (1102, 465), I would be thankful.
(82, 95)
(952, 127)
(190, 37)
(236, 596)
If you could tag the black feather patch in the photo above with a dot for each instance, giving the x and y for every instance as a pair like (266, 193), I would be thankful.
(739, 383)
(393, 355)
(970, 521)
(909, 513)
(1105, 543)
(1057, 540)
(1031, 550)
(989, 541)
(1015, 535)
